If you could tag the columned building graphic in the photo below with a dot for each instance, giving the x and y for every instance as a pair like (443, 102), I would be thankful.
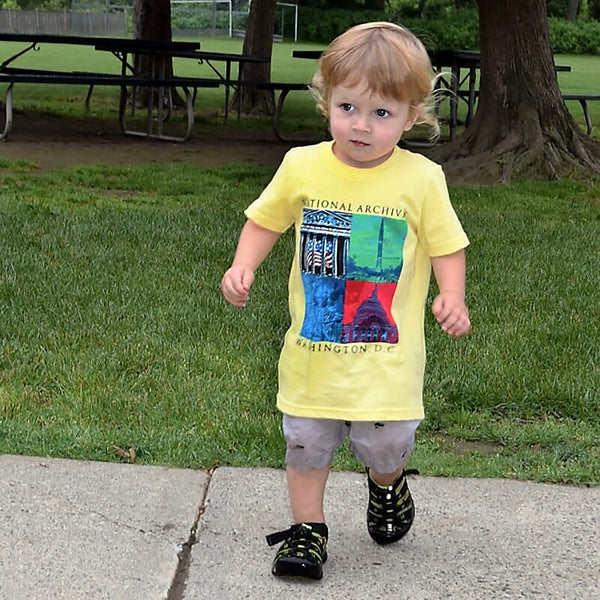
(324, 243)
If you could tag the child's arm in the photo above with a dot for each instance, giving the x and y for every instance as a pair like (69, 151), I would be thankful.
(449, 306)
(253, 247)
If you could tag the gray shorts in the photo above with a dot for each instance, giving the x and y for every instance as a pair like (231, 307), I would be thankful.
(383, 446)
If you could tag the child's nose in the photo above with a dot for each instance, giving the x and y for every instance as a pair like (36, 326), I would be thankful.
(361, 123)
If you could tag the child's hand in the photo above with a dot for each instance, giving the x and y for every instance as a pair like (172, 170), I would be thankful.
(451, 313)
(236, 283)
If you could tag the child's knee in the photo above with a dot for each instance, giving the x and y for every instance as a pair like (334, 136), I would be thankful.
(311, 443)
(383, 446)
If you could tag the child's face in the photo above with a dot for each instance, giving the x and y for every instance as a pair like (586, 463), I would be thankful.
(366, 127)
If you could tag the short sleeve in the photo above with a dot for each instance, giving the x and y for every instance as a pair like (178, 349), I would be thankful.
(273, 208)
(440, 231)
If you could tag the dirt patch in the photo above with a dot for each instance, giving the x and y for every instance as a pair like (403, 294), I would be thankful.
(467, 447)
(58, 142)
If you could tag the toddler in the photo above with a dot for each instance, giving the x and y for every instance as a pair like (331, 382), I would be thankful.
(371, 220)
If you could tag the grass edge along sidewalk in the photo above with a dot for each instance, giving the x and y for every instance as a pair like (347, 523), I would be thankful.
(113, 334)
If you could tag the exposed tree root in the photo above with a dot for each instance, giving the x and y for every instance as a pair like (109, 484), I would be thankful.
(551, 158)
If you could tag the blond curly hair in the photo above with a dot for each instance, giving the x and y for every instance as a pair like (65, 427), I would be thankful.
(387, 59)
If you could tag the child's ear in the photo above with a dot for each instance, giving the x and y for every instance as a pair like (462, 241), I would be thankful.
(415, 111)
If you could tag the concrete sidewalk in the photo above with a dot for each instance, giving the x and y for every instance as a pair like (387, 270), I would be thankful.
(85, 530)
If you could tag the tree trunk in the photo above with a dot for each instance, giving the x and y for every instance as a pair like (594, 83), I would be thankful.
(152, 21)
(522, 128)
(258, 41)
(572, 9)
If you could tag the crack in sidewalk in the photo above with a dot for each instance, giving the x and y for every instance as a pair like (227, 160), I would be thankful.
(179, 583)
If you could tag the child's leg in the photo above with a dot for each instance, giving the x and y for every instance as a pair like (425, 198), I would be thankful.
(385, 479)
(306, 490)
(389, 478)
(311, 444)
(384, 449)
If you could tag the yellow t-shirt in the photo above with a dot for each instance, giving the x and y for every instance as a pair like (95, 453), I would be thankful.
(355, 349)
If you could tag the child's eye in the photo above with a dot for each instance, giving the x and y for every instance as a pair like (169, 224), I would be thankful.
(381, 112)
(346, 106)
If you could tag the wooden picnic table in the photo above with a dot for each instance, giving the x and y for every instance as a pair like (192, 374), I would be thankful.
(463, 66)
(155, 77)
(33, 40)
(229, 59)
(158, 83)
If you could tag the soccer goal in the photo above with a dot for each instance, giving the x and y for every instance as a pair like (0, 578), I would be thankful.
(287, 20)
(193, 17)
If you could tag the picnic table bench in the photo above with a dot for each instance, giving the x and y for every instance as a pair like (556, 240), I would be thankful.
(226, 79)
(583, 101)
(158, 85)
(284, 89)
(158, 82)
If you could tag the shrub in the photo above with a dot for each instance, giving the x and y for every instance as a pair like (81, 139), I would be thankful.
(575, 38)
(458, 31)
(317, 25)
(461, 30)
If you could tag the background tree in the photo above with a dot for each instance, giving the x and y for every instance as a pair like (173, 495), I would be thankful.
(522, 128)
(258, 41)
(572, 9)
(152, 21)
(565, 9)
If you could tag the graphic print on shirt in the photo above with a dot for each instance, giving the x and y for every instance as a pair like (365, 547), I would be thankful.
(350, 266)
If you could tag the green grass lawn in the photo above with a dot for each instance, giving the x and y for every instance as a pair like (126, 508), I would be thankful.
(113, 331)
